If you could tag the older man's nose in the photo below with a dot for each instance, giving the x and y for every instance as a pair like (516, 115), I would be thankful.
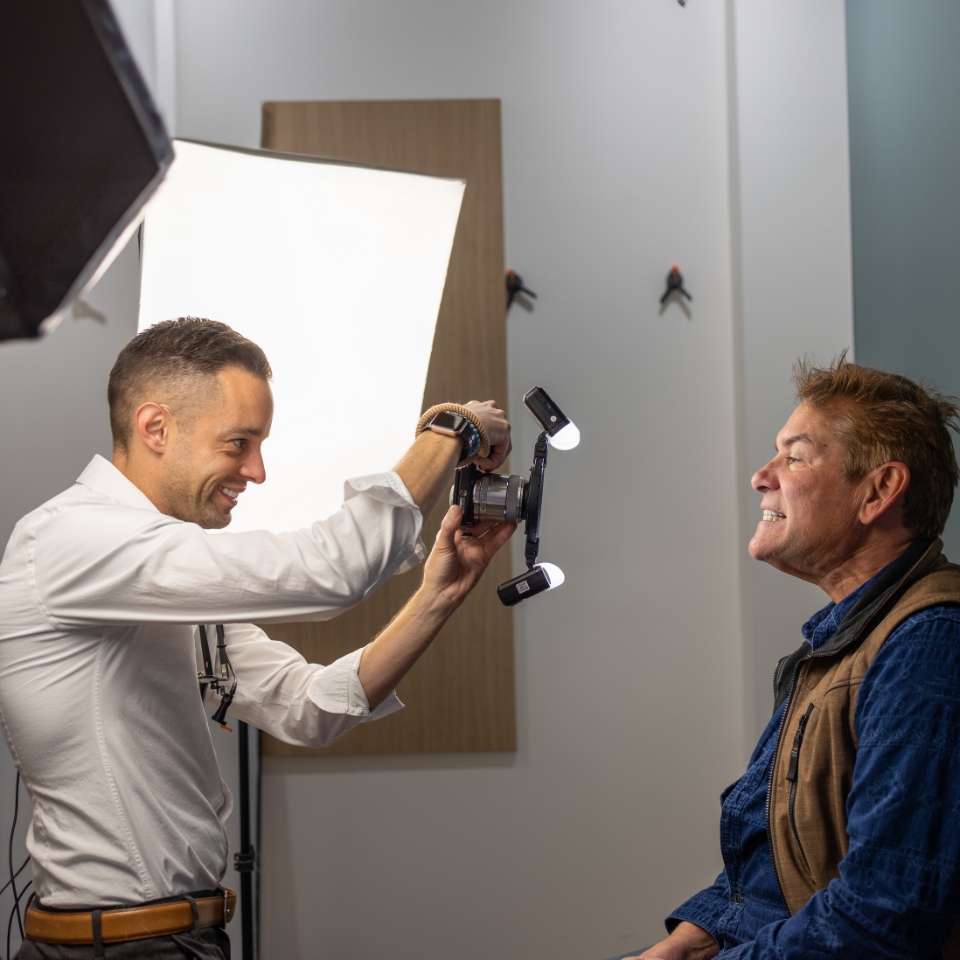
(765, 478)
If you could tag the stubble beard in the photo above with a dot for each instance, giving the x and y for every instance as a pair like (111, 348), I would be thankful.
(181, 501)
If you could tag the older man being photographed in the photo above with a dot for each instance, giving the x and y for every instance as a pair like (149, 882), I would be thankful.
(841, 840)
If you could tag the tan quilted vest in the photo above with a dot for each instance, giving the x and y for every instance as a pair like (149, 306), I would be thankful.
(813, 767)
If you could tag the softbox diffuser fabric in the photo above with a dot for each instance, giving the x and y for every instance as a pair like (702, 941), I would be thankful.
(337, 271)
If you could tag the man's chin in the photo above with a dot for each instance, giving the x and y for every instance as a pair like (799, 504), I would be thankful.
(762, 548)
(215, 520)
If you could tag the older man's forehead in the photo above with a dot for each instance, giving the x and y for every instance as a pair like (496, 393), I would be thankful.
(806, 426)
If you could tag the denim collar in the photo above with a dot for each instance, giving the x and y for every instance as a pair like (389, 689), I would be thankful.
(825, 623)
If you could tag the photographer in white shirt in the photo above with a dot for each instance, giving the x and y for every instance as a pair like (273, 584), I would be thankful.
(101, 590)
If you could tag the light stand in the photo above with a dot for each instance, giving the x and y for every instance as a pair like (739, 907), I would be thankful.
(244, 861)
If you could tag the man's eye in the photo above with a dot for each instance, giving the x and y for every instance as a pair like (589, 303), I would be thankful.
(239, 443)
(792, 459)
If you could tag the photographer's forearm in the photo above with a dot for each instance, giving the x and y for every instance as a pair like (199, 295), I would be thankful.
(427, 468)
(386, 661)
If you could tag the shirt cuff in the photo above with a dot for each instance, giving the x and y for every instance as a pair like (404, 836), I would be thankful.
(704, 909)
(388, 488)
(337, 689)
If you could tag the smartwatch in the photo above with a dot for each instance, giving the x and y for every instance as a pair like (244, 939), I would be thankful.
(453, 425)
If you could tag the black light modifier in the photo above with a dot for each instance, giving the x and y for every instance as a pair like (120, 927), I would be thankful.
(562, 432)
(542, 577)
(82, 149)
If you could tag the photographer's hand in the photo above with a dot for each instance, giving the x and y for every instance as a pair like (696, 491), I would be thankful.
(457, 562)
(498, 430)
(427, 467)
(452, 570)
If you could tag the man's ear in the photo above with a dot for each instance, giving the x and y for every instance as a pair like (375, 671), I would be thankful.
(884, 490)
(154, 423)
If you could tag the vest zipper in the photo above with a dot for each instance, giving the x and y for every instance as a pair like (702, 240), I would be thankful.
(776, 750)
(773, 764)
(792, 778)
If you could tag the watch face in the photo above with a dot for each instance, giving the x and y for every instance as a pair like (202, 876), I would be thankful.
(448, 421)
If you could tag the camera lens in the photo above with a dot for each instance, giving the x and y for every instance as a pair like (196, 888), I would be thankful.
(500, 497)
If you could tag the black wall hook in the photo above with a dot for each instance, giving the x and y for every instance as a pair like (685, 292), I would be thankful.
(675, 284)
(515, 286)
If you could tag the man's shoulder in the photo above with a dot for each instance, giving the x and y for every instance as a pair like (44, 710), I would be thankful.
(80, 515)
(945, 616)
(77, 497)
(28, 523)
(924, 639)
(917, 668)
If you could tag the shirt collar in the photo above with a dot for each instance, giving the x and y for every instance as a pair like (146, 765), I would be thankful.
(825, 623)
(104, 478)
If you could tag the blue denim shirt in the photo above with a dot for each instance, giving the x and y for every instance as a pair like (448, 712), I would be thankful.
(898, 894)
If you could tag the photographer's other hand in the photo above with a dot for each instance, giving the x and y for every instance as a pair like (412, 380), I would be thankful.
(457, 562)
(687, 942)
(452, 570)
(498, 430)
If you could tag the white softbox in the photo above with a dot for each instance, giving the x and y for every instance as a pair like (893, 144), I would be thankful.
(337, 272)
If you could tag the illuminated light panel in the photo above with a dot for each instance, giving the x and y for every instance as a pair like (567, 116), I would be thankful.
(337, 272)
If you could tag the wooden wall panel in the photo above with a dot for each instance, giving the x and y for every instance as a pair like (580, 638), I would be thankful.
(460, 696)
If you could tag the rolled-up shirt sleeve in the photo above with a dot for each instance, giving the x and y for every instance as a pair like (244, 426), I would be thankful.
(108, 565)
(301, 703)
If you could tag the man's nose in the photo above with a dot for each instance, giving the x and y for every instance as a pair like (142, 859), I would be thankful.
(253, 468)
(764, 479)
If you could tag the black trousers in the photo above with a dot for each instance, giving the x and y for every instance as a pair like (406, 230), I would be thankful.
(211, 944)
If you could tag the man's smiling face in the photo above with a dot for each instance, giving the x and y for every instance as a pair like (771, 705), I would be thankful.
(217, 449)
(810, 520)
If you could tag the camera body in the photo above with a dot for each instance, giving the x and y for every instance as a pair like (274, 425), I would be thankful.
(508, 498)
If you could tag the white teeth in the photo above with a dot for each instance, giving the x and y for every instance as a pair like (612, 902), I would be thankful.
(232, 494)
(773, 515)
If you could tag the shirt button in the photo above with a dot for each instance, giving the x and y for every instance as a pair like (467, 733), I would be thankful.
(737, 898)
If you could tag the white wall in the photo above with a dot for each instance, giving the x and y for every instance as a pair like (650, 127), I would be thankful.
(792, 240)
(149, 27)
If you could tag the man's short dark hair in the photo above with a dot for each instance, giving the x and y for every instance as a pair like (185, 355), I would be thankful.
(880, 417)
(173, 356)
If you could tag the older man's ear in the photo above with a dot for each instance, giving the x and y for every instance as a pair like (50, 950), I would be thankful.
(883, 492)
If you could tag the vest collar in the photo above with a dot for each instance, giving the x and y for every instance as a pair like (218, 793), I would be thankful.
(912, 564)
(919, 558)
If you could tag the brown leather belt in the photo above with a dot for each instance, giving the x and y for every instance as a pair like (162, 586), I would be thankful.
(128, 923)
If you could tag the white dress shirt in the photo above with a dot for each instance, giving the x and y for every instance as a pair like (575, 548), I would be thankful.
(100, 595)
